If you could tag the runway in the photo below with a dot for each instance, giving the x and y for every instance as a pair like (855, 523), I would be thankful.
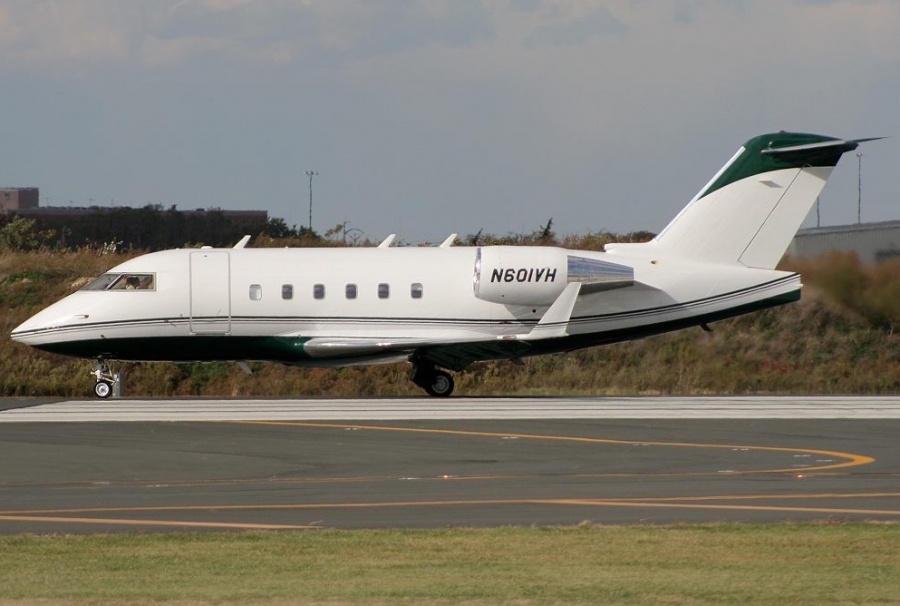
(89, 466)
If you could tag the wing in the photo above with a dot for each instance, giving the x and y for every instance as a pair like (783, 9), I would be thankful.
(452, 353)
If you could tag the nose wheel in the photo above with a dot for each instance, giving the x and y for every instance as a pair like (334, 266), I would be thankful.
(102, 389)
(105, 379)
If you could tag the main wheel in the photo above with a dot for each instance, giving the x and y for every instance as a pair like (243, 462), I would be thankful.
(102, 389)
(441, 384)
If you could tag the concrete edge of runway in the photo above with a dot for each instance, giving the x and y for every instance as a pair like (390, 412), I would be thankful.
(655, 407)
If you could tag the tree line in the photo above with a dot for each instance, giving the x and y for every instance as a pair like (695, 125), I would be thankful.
(154, 228)
(121, 229)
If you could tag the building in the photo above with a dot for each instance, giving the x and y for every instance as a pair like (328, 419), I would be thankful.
(248, 218)
(873, 243)
(151, 227)
(18, 198)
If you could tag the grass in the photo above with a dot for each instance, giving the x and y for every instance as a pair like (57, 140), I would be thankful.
(811, 564)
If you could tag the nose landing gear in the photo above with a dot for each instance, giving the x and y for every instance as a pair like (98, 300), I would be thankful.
(105, 379)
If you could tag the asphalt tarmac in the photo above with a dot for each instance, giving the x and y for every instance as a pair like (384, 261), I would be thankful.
(156, 465)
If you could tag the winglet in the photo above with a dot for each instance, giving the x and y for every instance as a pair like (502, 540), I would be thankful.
(386, 243)
(448, 242)
(243, 242)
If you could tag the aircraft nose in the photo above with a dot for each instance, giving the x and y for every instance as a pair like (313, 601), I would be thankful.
(38, 327)
(27, 330)
(18, 333)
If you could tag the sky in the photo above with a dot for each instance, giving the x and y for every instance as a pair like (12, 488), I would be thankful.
(424, 118)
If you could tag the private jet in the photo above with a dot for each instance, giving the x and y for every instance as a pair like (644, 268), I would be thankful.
(445, 307)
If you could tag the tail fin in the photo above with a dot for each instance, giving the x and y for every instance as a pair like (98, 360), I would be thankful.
(749, 212)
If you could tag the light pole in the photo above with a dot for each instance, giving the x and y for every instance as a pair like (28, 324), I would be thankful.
(859, 189)
(310, 174)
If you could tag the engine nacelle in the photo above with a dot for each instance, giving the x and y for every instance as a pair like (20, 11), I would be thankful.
(537, 275)
(520, 275)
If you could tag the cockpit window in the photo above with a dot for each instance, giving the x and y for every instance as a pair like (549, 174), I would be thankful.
(102, 283)
(115, 281)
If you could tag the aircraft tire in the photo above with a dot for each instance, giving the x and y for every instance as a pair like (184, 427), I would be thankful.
(441, 384)
(102, 389)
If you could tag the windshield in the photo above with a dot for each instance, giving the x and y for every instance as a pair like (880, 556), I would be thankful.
(114, 281)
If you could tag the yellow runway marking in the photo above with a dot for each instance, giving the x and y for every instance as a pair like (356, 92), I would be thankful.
(170, 523)
(683, 501)
(166, 483)
(686, 502)
(710, 502)
(652, 504)
(748, 497)
(851, 460)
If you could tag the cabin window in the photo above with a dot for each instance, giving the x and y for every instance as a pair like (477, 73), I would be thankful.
(351, 291)
(255, 292)
(123, 282)
(287, 291)
(415, 290)
(384, 291)
(318, 291)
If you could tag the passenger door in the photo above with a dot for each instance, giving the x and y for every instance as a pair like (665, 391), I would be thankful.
(210, 292)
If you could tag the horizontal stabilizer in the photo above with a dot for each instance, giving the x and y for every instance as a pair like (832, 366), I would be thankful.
(844, 146)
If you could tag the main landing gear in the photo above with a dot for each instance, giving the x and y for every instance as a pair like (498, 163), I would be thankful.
(435, 382)
(106, 379)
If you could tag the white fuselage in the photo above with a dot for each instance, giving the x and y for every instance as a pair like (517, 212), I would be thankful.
(353, 305)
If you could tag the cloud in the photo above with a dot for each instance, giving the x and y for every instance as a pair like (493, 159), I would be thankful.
(60, 34)
(367, 29)
(577, 30)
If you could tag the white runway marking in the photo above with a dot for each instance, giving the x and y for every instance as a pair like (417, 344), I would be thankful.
(167, 410)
